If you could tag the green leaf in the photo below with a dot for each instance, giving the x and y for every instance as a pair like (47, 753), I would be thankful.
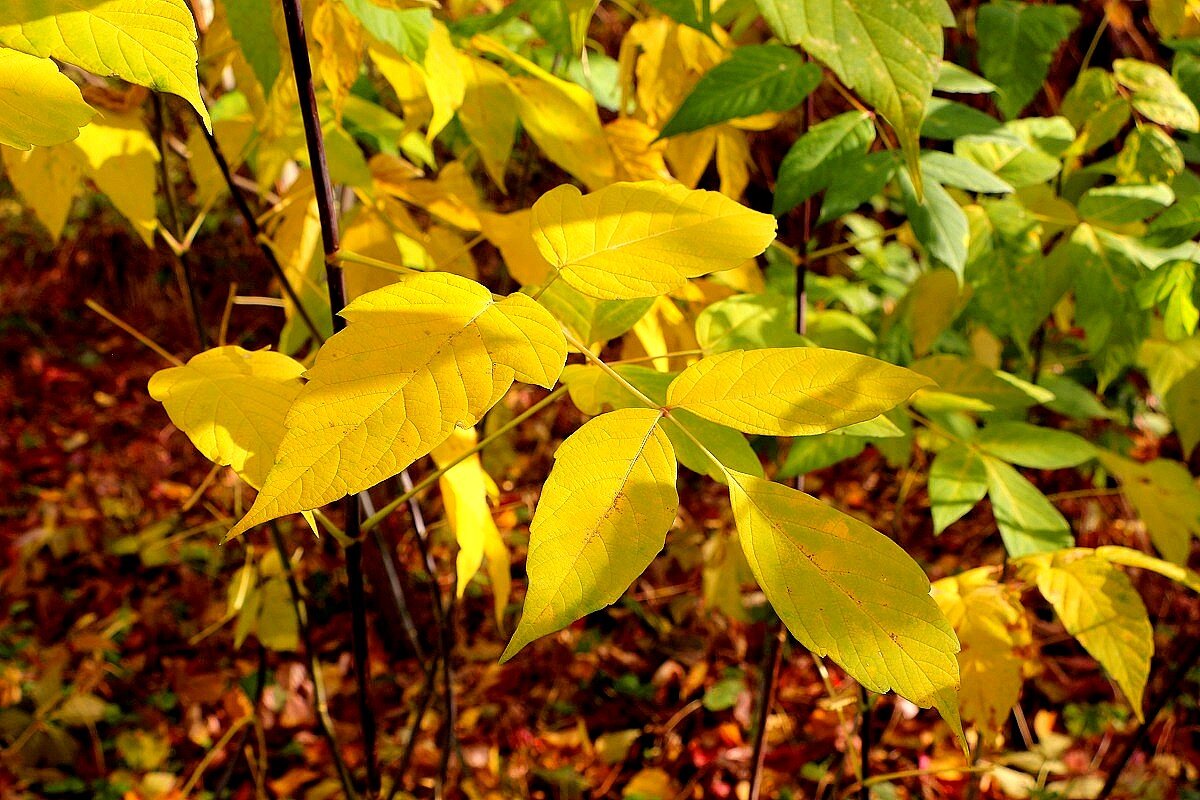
(951, 170)
(1018, 163)
(747, 322)
(1156, 95)
(755, 79)
(954, 79)
(817, 157)
(251, 22)
(1097, 109)
(1171, 288)
(1027, 521)
(1166, 498)
(1122, 204)
(603, 515)
(968, 385)
(791, 391)
(938, 222)
(810, 453)
(948, 120)
(1183, 407)
(42, 106)
(1148, 155)
(1017, 43)
(1035, 447)
(148, 42)
(957, 482)
(1099, 606)
(590, 319)
(406, 31)
(1176, 225)
(846, 590)
(853, 187)
(890, 53)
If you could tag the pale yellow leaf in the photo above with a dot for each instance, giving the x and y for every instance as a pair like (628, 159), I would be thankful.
(444, 79)
(561, 117)
(733, 161)
(465, 494)
(417, 359)
(1098, 606)
(488, 114)
(512, 235)
(643, 239)
(47, 180)
(120, 157)
(994, 631)
(41, 106)
(639, 157)
(343, 47)
(1165, 496)
(232, 403)
(791, 391)
(602, 517)
(845, 590)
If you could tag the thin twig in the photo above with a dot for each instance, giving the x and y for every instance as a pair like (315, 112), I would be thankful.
(1169, 691)
(320, 701)
(183, 267)
(132, 331)
(336, 286)
(255, 230)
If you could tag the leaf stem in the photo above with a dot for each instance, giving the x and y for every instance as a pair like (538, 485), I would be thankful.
(612, 373)
(430, 479)
(336, 285)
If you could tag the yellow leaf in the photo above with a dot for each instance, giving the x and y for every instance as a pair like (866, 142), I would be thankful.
(689, 155)
(452, 197)
(512, 235)
(465, 493)
(733, 161)
(417, 359)
(846, 590)
(602, 517)
(1135, 558)
(407, 81)
(148, 42)
(488, 114)
(343, 44)
(48, 181)
(1166, 498)
(663, 329)
(232, 403)
(994, 631)
(561, 117)
(639, 157)
(643, 239)
(444, 79)
(119, 156)
(43, 106)
(1098, 606)
(791, 391)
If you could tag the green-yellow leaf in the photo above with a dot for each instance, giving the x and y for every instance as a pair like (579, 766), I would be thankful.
(643, 239)
(147, 42)
(1129, 557)
(42, 106)
(994, 631)
(120, 157)
(846, 590)
(602, 517)
(417, 359)
(889, 52)
(791, 391)
(47, 183)
(957, 481)
(1166, 498)
(1099, 606)
(232, 403)
(1028, 522)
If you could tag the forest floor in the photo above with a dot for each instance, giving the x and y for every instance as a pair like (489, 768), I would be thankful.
(118, 678)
